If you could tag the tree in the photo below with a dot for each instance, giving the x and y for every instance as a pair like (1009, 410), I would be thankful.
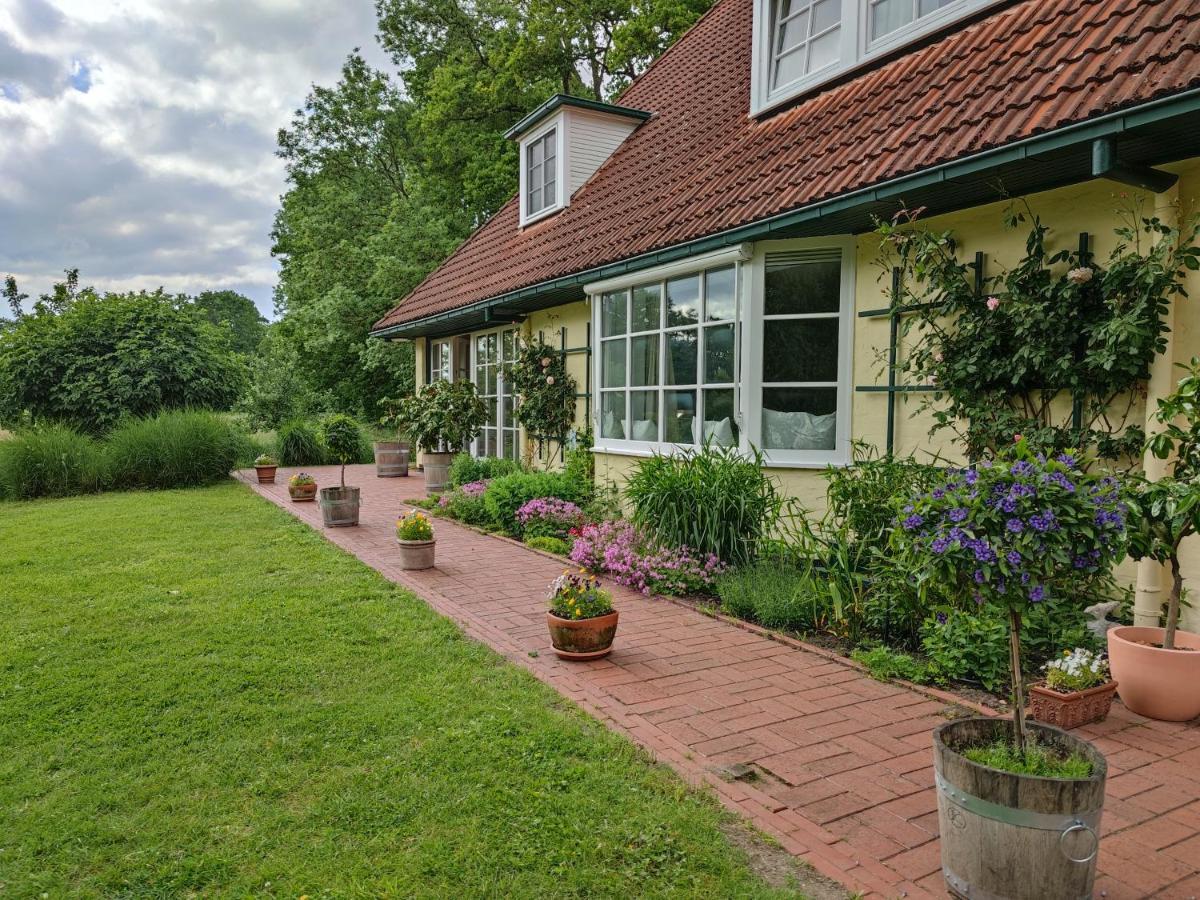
(14, 298)
(89, 360)
(237, 312)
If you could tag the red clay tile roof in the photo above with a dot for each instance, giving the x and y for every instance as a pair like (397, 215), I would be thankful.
(701, 165)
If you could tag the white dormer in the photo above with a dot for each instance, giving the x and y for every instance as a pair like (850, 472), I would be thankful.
(563, 142)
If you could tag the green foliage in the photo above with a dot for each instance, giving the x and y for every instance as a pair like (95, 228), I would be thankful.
(969, 647)
(775, 594)
(508, 493)
(278, 391)
(1076, 670)
(862, 497)
(443, 416)
(249, 447)
(414, 527)
(712, 500)
(90, 361)
(1053, 325)
(343, 439)
(49, 461)
(539, 377)
(1037, 760)
(580, 461)
(465, 468)
(300, 444)
(549, 544)
(238, 314)
(885, 664)
(182, 448)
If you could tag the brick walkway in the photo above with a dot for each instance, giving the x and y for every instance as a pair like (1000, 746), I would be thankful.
(842, 764)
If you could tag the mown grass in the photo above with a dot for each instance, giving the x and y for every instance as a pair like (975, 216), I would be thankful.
(199, 696)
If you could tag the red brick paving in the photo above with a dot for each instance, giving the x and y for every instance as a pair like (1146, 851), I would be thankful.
(843, 762)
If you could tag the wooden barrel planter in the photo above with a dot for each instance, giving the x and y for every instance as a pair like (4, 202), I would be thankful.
(339, 506)
(1016, 837)
(437, 471)
(391, 459)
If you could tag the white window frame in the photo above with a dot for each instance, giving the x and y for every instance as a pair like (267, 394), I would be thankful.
(856, 50)
(557, 124)
(439, 349)
(478, 447)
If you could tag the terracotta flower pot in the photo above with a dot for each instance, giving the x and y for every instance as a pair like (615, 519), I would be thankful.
(302, 493)
(416, 554)
(1073, 709)
(266, 474)
(582, 638)
(1156, 683)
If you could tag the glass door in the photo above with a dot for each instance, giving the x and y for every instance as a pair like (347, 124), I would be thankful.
(500, 435)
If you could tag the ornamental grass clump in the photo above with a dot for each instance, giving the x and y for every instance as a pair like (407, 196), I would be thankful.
(577, 595)
(1013, 532)
(1076, 670)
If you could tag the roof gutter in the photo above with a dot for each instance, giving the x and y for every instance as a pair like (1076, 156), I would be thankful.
(1092, 130)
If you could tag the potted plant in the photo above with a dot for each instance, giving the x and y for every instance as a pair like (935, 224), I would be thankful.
(582, 620)
(1018, 803)
(1159, 668)
(265, 466)
(302, 487)
(339, 505)
(1077, 690)
(391, 457)
(414, 534)
(442, 418)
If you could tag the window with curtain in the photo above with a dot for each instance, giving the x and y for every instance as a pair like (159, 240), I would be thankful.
(668, 360)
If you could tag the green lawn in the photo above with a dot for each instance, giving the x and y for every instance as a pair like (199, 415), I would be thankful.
(199, 695)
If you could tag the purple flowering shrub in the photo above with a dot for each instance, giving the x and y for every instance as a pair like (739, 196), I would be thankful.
(549, 517)
(465, 503)
(617, 548)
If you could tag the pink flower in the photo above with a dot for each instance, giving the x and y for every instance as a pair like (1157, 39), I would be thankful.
(1081, 275)
(937, 356)
(545, 362)
(993, 303)
(549, 379)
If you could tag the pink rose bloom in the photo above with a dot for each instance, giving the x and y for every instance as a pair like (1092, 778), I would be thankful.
(993, 303)
(937, 356)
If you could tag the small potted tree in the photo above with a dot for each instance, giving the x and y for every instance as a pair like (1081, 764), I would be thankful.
(1018, 803)
(1159, 668)
(582, 620)
(1077, 690)
(302, 488)
(443, 418)
(414, 534)
(391, 457)
(339, 505)
(264, 467)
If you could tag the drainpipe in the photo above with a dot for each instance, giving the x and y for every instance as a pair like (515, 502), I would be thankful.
(1152, 576)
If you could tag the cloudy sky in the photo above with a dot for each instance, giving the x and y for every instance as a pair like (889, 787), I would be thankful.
(137, 136)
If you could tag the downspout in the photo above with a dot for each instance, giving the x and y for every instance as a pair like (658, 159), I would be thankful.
(1151, 575)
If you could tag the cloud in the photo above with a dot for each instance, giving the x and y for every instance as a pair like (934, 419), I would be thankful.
(137, 137)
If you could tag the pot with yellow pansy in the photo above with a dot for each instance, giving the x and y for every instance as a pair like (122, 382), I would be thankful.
(582, 620)
(414, 534)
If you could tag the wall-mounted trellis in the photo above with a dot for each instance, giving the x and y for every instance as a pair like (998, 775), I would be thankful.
(585, 395)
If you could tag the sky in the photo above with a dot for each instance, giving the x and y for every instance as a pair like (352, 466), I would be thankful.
(137, 137)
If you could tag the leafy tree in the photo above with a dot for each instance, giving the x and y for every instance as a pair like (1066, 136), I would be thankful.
(229, 309)
(13, 297)
(91, 360)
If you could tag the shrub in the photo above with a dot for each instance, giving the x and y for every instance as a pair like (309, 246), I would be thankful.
(765, 591)
(507, 494)
(172, 449)
(300, 445)
(465, 468)
(863, 497)
(466, 504)
(342, 436)
(968, 647)
(249, 447)
(630, 558)
(550, 544)
(884, 664)
(549, 517)
(443, 416)
(50, 461)
(714, 500)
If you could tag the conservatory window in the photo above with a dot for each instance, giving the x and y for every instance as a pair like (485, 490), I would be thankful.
(494, 352)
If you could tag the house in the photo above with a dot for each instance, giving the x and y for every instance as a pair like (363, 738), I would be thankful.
(705, 247)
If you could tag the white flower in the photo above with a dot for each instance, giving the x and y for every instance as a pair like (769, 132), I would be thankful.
(545, 362)
(549, 379)
(1081, 275)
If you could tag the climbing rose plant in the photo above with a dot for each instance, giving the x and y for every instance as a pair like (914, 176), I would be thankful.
(1013, 531)
(545, 390)
(1054, 348)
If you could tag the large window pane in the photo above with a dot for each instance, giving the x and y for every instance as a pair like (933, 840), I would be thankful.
(612, 363)
(681, 357)
(813, 287)
(614, 313)
(800, 350)
(718, 294)
(612, 415)
(799, 418)
(490, 383)
(718, 354)
(679, 416)
(644, 412)
(720, 425)
(643, 364)
(647, 307)
(683, 301)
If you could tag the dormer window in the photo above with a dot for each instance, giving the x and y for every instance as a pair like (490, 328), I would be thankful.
(541, 179)
(800, 44)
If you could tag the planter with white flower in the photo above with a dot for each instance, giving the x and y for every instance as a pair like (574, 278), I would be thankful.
(581, 618)
(1077, 690)
(302, 488)
(264, 467)
(414, 534)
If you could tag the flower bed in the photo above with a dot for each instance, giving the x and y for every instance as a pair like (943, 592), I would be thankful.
(629, 558)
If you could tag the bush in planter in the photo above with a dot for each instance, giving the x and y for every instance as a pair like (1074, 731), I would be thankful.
(50, 461)
(1012, 532)
(506, 495)
(466, 468)
(442, 417)
(342, 437)
(172, 449)
(300, 445)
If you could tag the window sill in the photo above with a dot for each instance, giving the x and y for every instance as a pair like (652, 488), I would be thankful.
(543, 214)
(646, 451)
